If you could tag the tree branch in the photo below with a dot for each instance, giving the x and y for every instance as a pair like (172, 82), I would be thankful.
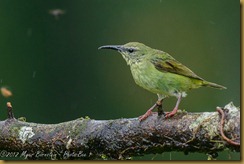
(85, 138)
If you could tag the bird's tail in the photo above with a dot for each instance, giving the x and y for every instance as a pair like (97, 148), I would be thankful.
(213, 85)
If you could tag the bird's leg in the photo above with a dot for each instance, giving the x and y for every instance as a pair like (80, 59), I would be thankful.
(158, 104)
(160, 107)
(172, 113)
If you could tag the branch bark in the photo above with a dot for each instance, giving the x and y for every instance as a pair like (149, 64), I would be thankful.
(86, 138)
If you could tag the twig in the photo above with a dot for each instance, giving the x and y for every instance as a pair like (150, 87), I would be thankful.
(221, 125)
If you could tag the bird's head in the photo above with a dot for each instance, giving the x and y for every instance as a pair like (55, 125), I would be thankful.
(132, 52)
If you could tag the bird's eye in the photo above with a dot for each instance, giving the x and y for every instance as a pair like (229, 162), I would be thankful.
(130, 50)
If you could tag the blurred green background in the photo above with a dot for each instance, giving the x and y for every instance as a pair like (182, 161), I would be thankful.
(57, 74)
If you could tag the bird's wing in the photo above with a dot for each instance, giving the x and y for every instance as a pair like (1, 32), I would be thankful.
(173, 66)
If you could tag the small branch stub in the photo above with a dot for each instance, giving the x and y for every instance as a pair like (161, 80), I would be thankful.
(10, 110)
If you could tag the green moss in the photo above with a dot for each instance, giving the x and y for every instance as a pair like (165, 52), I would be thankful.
(86, 117)
(78, 127)
(184, 111)
(15, 130)
(104, 157)
(210, 158)
(219, 145)
(23, 119)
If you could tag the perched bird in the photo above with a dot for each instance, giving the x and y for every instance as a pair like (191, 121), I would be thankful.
(159, 73)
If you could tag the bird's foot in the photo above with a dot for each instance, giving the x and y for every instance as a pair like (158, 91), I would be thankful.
(171, 114)
(146, 115)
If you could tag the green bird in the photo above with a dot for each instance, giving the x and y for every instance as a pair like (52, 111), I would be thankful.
(159, 73)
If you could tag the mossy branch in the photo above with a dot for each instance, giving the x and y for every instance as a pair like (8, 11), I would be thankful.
(85, 138)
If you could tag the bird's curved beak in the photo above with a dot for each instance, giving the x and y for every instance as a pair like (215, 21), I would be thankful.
(112, 47)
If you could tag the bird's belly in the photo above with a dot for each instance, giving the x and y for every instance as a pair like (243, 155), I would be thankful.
(164, 83)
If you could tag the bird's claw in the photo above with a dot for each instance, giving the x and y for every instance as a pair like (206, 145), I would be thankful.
(146, 115)
(170, 114)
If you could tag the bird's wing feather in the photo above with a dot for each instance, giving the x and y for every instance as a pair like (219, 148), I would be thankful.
(173, 66)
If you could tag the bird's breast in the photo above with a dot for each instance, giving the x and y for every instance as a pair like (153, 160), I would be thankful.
(146, 76)
(165, 83)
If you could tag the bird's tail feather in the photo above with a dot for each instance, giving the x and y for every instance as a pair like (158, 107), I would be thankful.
(213, 85)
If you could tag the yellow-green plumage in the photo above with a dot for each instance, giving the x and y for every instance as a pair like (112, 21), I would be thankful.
(158, 72)
(162, 74)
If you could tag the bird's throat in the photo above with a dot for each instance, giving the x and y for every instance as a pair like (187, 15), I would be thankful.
(130, 61)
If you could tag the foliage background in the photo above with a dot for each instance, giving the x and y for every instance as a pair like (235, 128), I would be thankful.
(57, 74)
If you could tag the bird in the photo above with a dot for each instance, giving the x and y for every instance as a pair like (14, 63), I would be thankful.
(159, 73)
